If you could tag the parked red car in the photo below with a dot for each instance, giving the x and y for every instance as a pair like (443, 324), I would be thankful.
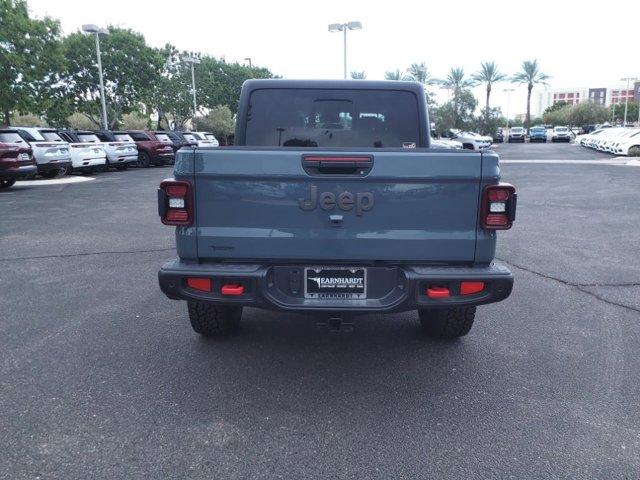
(150, 149)
(16, 161)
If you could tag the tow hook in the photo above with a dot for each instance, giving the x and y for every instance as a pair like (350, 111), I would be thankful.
(337, 323)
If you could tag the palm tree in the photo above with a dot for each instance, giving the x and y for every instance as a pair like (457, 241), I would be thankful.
(531, 75)
(457, 82)
(393, 74)
(488, 74)
(358, 75)
(420, 73)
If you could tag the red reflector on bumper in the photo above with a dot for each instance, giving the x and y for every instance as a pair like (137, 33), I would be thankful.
(469, 288)
(200, 284)
(437, 292)
(232, 289)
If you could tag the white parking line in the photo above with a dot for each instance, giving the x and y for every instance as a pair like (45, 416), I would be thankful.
(612, 161)
(53, 181)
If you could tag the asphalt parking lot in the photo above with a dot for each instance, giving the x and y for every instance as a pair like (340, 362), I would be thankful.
(102, 377)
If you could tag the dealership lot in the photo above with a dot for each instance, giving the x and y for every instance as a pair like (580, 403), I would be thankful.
(102, 376)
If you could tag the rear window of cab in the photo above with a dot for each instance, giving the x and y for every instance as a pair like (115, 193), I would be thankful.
(291, 117)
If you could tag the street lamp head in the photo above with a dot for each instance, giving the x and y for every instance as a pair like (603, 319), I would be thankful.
(354, 25)
(336, 27)
(187, 59)
(90, 28)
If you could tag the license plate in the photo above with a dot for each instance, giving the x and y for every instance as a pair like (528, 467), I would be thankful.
(335, 283)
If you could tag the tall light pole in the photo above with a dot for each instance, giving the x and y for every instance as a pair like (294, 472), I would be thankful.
(343, 27)
(248, 59)
(508, 90)
(90, 28)
(626, 97)
(193, 61)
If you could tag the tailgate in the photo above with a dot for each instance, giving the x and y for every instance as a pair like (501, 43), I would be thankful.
(418, 206)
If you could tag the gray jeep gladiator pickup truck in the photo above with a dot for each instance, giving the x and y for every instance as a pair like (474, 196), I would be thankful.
(332, 201)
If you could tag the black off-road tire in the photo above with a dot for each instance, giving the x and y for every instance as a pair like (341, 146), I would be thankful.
(213, 320)
(144, 160)
(447, 323)
(6, 183)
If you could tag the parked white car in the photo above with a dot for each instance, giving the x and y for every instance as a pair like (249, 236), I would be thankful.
(122, 151)
(628, 145)
(615, 135)
(561, 134)
(516, 134)
(52, 154)
(470, 140)
(615, 140)
(445, 143)
(205, 139)
(85, 157)
(593, 137)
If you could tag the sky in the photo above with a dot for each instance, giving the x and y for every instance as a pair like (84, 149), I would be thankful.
(579, 44)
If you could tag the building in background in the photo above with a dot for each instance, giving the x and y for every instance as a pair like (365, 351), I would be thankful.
(602, 95)
(598, 95)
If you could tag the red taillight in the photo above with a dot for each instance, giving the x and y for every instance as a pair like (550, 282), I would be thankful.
(175, 205)
(200, 284)
(233, 289)
(498, 208)
(176, 190)
(469, 288)
(495, 195)
(438, 292)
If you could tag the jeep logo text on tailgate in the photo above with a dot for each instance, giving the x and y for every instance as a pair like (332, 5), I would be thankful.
(362, 201)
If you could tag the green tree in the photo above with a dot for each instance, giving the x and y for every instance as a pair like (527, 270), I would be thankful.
(134, 121)
(587, 113)
(531, 75)
(30, 60)
(79, 121)
(459, 84)
(488, 74)
(130, 68)
(558, 116)
(28, 120)
(172, 99)
(358, 75)
(495, 120)
(457, 113)
(618, 112)
(556, 106)
(219, 121)
(219, 82)
(421, 74)
(393, 74)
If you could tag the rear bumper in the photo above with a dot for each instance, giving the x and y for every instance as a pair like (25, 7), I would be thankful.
(19, 173)
(88, 162)
(53, 165)
(122, 159)
(279, 287)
